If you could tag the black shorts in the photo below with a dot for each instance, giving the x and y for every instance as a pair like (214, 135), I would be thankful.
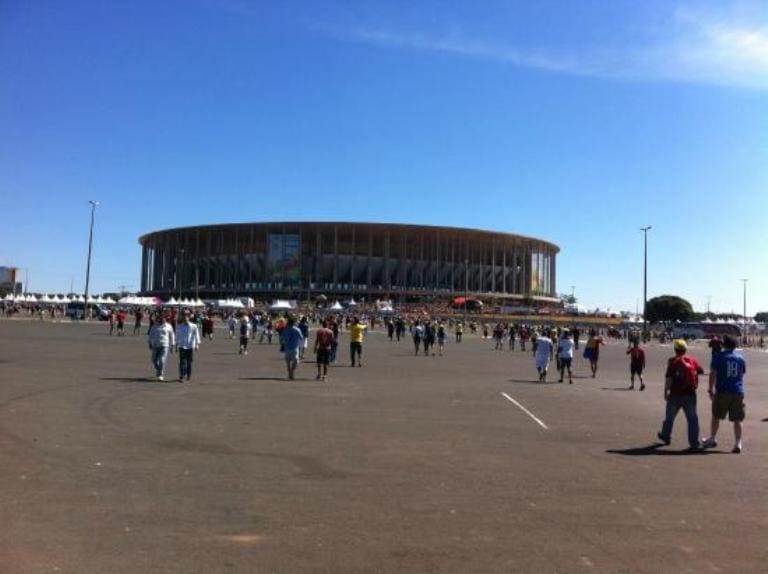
(244, 341)
(636, 368)
(565, 362)
(323, 356)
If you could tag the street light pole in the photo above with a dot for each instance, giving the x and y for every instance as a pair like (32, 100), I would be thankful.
(88, 265)
(645, 276)
(744, 316)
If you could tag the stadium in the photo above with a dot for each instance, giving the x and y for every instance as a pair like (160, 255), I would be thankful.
(366, 261)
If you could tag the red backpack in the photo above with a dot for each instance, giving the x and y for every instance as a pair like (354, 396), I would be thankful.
(684, 374)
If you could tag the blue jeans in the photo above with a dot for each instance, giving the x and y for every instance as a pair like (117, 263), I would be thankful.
(159, 357)
(186, 357)
(688, 404)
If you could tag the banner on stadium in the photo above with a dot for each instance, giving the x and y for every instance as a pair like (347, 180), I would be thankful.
(284, 257)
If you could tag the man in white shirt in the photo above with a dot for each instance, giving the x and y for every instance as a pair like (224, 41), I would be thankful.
(544, 350)
(161, 339)
(565, 354)
(187, 342)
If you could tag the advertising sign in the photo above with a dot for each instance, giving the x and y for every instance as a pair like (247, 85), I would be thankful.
(284, 258)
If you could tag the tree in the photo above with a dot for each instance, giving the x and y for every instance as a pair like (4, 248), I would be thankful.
(668, 308)
(761, 317)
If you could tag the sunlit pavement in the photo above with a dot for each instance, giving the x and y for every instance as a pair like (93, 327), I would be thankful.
(408, 464)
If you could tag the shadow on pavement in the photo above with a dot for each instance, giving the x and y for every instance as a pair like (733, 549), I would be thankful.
(655, 449)
(616, 389)
(536, 382)
(130, 379)
(279, 379)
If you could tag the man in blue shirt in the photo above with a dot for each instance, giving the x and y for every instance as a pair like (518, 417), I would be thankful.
(726, 389)
(292, 341)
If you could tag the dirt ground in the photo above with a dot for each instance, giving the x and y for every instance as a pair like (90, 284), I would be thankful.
(456, 464)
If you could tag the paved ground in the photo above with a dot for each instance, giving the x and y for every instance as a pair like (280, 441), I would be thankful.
(410, 464)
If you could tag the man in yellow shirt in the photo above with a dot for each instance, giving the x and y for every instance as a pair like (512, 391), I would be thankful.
(356, 334)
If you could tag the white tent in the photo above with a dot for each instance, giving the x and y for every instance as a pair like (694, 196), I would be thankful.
(280, 305)
(351, 303)
(229, 304)
(336, 307)
(171, 303)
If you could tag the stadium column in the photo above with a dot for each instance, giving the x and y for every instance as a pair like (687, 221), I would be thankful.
(318, 273)
(143, 267)
(335, 257)
(453, 264)
(493, 267)
(369, 263)
(504, 269)
(553, 278)
(387, 270)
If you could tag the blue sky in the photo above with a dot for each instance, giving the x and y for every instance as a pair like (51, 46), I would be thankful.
(576, 122)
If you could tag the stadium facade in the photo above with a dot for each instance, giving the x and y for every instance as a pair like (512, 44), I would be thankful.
(364, 260)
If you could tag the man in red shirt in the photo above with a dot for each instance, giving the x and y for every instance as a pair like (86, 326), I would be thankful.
(323, 345)
(681, 382)
(636, 364)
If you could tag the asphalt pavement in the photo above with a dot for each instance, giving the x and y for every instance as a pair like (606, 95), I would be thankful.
(461, 463)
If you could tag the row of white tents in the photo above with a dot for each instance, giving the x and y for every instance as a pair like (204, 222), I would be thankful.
(58, 299)
(136, 301)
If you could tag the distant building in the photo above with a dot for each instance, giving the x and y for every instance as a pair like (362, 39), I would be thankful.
(9, 279)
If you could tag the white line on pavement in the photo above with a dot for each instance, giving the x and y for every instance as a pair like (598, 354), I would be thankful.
(526, 411)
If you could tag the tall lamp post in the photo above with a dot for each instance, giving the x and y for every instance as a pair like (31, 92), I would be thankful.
(744, 316)
(88, 265)
(645, 276)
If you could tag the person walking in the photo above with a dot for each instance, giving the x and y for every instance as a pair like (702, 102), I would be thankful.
(680, 384)
(636, 364)
(138, 316)
(304, 328)
(726, 390)
(544, 349)
(161, 340)
(417, 332)
(356, 335)
(291, 343)
(245, 334)
(323, 345)
(187, 342)
(565, 354)
(592, 350)
(459, 331)
(121, 317)
(441, 336)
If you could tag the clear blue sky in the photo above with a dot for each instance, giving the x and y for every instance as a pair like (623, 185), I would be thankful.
(576, 122)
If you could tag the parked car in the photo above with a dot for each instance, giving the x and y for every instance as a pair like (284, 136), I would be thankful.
(76, 310)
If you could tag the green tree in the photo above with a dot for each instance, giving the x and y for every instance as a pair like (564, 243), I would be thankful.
(761, 317)
(668, 308)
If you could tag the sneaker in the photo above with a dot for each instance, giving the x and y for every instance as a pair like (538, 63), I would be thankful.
(709, 443)
(695, 448)
(661, 437)
(317, 378)
(631, 387)
(736, 449)
(559, 380)
(642, 387)
(160, 378)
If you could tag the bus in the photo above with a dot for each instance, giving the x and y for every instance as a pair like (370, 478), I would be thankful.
(705, 330)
